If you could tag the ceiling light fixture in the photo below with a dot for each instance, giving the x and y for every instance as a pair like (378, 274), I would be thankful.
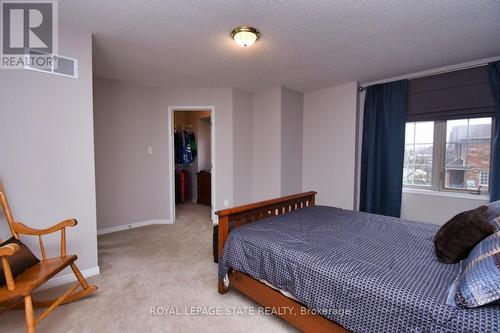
(245, 36)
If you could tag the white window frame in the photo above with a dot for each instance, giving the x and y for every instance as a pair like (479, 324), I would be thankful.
(439, 162)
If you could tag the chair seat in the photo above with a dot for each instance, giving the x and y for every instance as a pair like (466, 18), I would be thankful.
(35, 276)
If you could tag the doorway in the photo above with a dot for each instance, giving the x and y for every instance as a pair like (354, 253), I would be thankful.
(192, 162)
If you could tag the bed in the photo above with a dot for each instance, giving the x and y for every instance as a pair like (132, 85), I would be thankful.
(339, 270)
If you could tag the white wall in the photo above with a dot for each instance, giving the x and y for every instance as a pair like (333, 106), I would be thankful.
(292, 103)
(437, 208)
(329, 144)
(267, 144)
(132, 185)
(277, 142)
(242, 147)
(47, 150)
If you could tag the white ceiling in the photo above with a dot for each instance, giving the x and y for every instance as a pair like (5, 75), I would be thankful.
(305, 45)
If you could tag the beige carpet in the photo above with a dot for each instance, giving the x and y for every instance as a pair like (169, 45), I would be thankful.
(168, 265)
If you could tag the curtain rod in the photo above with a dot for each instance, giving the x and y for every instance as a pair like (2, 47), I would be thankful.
(431, 72)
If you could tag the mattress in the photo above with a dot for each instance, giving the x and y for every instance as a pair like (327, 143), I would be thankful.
(283, 292)
(369, 273)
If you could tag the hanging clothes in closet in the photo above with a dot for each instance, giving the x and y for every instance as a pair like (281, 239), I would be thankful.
(187, 157)
(185, 151)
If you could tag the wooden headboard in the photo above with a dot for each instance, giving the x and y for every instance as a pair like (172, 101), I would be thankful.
(242, 215)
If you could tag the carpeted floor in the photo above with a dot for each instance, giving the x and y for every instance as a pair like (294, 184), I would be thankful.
(156, 266)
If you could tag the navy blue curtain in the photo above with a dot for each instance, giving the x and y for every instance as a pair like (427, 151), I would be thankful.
(382, 154)
(494, 74)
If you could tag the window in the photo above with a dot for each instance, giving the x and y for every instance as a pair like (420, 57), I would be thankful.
(484, 178)
(451, 155)
(419, 144)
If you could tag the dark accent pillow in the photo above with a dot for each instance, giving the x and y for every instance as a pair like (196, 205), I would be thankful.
(20, 261)
(458, 236)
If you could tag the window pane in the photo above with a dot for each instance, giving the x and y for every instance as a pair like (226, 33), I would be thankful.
(478, 159)
(456, 154)
(423, 154)
(408, 175)
(480, 129)
(422, 175)
(419, 140)
(409, 155)
(455, 179)
(409, 163)
(424, 132)
(456, 130)
(468, 148)
(410, 133)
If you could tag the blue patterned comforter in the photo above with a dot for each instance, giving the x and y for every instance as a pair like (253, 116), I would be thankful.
(367, 272)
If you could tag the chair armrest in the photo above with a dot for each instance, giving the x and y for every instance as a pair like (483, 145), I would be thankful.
(61, 226)
(25, 230)
(9, 250)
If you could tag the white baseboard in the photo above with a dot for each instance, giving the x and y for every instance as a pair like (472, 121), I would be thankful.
(67, 278)
(132, 225)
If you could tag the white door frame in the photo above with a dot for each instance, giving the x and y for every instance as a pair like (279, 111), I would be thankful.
(171, 168)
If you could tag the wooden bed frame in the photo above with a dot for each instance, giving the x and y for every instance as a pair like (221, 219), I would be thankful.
(299, 315)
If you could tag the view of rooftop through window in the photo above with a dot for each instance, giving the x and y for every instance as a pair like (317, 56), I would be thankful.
(468, 148)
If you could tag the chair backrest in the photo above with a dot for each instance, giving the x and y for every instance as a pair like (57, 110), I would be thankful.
(6, 210)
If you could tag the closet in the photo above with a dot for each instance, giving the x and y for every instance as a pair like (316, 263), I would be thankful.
(192, 156)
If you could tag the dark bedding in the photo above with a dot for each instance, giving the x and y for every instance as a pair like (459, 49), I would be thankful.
(367, 272)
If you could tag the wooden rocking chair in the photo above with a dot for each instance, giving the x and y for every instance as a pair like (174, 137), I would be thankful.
(20, 289)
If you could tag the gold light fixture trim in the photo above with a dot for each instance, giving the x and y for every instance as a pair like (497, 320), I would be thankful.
(245, 35)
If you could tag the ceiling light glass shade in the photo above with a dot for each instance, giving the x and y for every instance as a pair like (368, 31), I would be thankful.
(245, 36)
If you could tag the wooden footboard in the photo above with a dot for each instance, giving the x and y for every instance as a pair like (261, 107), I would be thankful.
(298, 316)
